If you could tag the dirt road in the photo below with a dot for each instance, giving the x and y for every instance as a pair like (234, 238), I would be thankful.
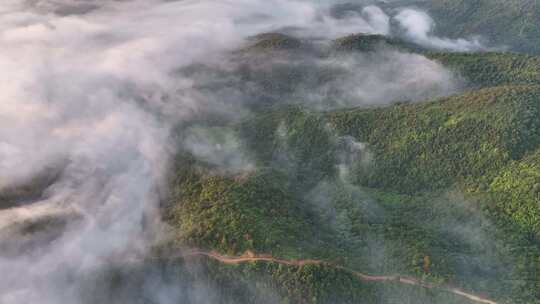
(249, 257)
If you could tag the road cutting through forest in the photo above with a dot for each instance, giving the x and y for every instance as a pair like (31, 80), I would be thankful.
(250, 257)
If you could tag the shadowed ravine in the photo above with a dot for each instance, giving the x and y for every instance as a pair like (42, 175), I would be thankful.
(396, 278)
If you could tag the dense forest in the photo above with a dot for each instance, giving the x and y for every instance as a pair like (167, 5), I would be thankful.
(295, 166)
(452, 183)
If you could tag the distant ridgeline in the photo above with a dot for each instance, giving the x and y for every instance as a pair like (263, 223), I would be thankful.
(514, 24)
(481, 69)
(447, 190)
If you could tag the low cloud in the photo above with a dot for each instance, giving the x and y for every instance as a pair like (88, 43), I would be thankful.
(98, 87)
(418, 27)
(219, 147)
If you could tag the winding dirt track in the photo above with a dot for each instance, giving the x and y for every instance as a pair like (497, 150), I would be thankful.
(249, 257)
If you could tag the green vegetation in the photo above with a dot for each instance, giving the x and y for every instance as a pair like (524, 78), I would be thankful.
(255, 282)
(465, 138)
(297, 284)
(484, 143)
(319, 284)
(254, 212)
(485, 69)
(447, 191)
(296, 141)
(516, 189)
(273, 41)
(514, 23)
(492, 69)
(370, 43)
(393, 215)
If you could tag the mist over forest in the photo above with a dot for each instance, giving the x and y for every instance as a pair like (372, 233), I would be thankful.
(269, 151)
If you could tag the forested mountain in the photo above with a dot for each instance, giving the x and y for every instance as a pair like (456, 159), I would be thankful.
(154, 153)
(511, 23)
(446, 189)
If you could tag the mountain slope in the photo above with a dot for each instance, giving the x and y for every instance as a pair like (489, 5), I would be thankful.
(512, 23)
(443, 190)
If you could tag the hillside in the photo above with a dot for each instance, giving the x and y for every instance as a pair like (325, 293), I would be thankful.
(165, 152)
(484, 69)
(443, 190)
(433, 199)
(512, 23)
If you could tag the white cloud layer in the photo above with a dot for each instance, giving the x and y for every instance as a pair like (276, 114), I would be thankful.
(418, 27)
